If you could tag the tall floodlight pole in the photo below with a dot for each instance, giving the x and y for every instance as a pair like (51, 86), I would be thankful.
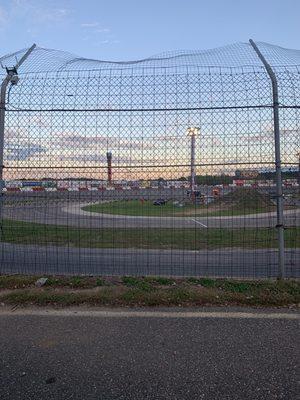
(109, 167)
(298, 155)
(11, 78)
(279, 193)
(193, 132)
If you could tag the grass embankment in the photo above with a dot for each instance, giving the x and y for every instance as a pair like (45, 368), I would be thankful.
(145, 238)
(244, 201)
(146, 291)
(241, 201)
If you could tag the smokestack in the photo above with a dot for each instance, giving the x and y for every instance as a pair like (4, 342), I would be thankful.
(109, 169)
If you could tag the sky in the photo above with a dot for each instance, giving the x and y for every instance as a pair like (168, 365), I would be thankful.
(130, 30)
(135, 29)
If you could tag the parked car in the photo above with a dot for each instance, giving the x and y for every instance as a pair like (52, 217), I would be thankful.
(196, 193)
(159, 202)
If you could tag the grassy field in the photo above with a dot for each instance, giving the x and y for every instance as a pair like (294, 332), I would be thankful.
(146, 291)
(147, 209)
(139, 208)
(145, 238)
(240, 201)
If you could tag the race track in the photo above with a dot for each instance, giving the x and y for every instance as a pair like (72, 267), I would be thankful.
(65, 209)
(234, 263)
(57, 213)
(121, 221)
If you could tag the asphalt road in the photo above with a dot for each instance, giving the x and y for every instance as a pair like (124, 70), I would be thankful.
(239, 263)
(46, 355)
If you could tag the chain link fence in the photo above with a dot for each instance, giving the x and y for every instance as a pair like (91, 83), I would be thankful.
(163, 166)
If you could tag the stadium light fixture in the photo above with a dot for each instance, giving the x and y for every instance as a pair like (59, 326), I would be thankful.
(193, 131)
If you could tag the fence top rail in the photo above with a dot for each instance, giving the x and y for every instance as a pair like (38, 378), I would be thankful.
(237, 55)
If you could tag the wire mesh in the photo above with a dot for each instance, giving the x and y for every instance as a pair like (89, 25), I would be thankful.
(66, 210)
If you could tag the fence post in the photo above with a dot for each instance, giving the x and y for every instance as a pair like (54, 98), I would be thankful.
(11, 77)
(279, 197)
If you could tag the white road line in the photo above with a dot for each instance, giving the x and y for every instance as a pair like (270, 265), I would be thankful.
(197, 222)
(150, 314)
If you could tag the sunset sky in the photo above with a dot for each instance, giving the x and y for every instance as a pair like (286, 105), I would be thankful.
(43, 142)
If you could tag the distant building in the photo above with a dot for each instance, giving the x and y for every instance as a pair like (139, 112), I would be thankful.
(246, 173)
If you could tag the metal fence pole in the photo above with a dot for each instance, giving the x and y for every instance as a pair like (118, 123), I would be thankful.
(4, 85)
(279, 197)
(11, 77)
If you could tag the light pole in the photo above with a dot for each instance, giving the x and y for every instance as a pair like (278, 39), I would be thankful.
(11, 78)
(193, 132)
(109, 167)
(298, 155)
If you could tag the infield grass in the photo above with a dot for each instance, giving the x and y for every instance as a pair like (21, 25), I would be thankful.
(145, 238)
(171, 209)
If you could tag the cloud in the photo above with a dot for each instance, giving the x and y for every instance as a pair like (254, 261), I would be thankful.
(96, 25)
(102, 30)
(51, 15)
(19, 146)
(290, 132)
(94, 30)
(35, 13)
(101, 159)
(17, 152)
(73, 140)
(83, 158)
(22, 144)
(89, 24)
(106, 41)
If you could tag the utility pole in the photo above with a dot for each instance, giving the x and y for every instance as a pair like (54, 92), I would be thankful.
(11, 78)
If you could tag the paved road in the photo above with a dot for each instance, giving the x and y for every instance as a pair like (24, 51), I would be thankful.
(185, 356)
(240, 263)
